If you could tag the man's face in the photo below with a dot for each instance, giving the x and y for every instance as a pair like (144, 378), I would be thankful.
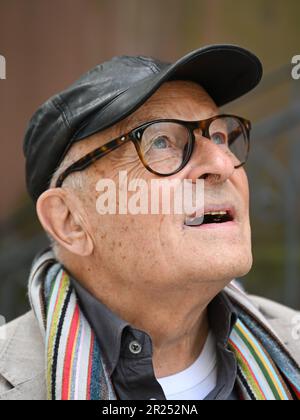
(159, 251)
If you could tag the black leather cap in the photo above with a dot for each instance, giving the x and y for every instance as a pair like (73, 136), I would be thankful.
(113, 90)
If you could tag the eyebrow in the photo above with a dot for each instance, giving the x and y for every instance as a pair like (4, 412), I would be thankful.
(135, 121)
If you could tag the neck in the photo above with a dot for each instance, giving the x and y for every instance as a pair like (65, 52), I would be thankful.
(176, 320)
(177, 354)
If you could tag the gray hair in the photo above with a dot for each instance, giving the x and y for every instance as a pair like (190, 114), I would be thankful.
(75, 181)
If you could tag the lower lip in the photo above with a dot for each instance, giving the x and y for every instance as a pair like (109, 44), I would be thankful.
(213, 226)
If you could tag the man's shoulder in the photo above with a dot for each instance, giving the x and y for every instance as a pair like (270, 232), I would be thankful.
(273, 310)
(22, 367)
(284, 320)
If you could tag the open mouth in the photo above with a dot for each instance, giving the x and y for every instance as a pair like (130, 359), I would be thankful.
(211, 217)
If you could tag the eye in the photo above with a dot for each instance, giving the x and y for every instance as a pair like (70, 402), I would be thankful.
(219, 138)
(160, 143)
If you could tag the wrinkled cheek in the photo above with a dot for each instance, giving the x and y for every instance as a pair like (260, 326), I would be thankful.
(124, 234)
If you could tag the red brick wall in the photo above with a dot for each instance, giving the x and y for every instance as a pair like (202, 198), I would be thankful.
(47, 45)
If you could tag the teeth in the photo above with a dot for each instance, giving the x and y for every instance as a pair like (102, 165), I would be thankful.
(195, 221)
(216, 213)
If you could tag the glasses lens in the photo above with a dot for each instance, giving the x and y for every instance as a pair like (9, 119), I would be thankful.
(164, 146)
(230, 133)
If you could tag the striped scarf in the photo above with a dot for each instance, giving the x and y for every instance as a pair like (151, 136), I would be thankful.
(75, 367)
(258, 377)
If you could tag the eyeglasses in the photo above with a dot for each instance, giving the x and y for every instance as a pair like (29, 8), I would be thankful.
(166, 146)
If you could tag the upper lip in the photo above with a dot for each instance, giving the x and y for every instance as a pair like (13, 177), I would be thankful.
(230, 209)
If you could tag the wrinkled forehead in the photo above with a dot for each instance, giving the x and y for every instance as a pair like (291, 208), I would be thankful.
(177, 99)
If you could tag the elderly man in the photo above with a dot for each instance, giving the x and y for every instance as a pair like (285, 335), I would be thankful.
(144, 306)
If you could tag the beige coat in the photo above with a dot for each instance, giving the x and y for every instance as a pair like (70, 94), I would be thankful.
(22, 360)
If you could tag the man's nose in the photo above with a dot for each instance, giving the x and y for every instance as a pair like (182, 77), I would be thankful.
(212, 162)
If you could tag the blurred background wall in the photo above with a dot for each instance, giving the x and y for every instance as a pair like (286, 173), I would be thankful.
(48, 44)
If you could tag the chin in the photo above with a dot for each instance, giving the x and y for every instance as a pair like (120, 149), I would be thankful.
(222, 267)
(233, 266)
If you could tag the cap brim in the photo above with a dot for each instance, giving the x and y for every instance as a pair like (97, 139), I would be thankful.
(226, 72)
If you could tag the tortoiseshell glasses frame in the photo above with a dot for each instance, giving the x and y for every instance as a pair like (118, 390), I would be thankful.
(136, 134)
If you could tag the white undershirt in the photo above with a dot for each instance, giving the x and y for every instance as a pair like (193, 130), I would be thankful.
(198, 380)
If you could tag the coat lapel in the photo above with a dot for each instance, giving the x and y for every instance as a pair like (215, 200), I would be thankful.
(22, 360)
(33, 389)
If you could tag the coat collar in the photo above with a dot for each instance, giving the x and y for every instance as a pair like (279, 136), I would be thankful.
(277, 327)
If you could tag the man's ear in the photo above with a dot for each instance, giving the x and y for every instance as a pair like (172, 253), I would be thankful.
(59, 213)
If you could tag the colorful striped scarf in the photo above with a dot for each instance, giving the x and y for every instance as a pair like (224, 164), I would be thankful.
(258, 377)
(75, 367)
